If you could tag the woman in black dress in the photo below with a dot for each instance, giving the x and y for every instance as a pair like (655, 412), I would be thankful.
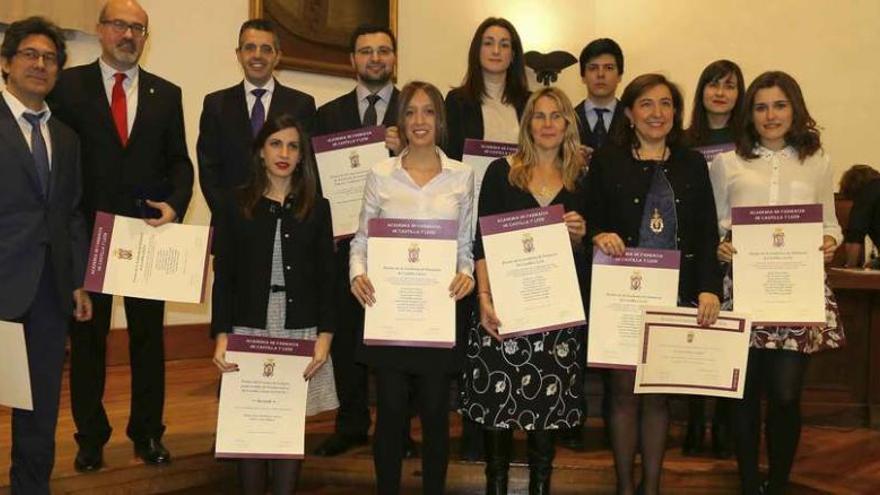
(534, 382)
(644, 173)
(861, 184)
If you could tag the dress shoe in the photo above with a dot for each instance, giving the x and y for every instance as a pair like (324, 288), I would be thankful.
(151, 451)
(409, 448)
(88, 459)
(338, 443)
(573, 438)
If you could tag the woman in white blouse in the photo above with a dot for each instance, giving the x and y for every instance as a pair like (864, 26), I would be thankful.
(778, 161)
(420, 183)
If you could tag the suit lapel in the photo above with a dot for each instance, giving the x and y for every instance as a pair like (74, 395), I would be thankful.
(11, 132)
(95, 84)
(351, 115)
(237, 113)
(146, 95)
(279, 100)
(57, 145)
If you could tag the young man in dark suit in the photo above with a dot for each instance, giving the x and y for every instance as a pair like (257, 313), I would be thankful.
(601, 64)
(232, 117)
(43, 254)
(372, 102)
(135, 163)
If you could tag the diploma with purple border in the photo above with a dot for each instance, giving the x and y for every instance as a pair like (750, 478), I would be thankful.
(531, 271)
(778, 271)
(343, 160)
(621, 288)
(127, 257)
(411, 264)
(711, 151)
(262, 412)
(678, 356)
(15, 377)
(479, 154)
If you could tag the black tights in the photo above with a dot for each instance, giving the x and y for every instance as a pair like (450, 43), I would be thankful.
(781, 375)
(253, 474)
(628, 425)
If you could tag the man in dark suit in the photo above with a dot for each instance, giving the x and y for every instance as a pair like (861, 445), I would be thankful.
(601, 64)
(372, 102)
(232, 117)
(135, 163)
(43, 252)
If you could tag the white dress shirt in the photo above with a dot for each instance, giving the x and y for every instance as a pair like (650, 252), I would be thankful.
(129, 85)
(251, 99)
(18, 110)
(774, 178)
(381, 104)
(390, 192)
(592, 117)
(500, 123)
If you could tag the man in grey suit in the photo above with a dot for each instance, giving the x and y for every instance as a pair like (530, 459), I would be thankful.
(42, 237)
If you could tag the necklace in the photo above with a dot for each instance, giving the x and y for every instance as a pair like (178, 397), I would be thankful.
(663, 156)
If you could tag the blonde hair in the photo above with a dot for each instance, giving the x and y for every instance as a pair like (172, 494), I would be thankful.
(526, 156)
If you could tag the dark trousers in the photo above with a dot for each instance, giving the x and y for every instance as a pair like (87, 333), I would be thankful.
(392, 415)
(88, 352)
(33, 432)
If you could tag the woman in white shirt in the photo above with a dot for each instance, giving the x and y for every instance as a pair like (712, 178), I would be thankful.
(420, 183)
(778, 161)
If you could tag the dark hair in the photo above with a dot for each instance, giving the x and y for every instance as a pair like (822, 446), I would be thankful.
(855, 179)
(304, 185)
(714, 72)
(370, 29)
(516, 87)
(623, 133)
(260, 25)
(601, 46)
(19, 30)
(803, 134)
(407, 93)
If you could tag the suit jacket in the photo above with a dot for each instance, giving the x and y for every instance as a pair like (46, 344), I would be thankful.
(225, 136)
(586, 134)
(342, 114)
(464, 119)
(153, 165)
(617, 185)
(30, 223)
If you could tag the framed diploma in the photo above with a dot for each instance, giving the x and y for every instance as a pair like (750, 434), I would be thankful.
(713, 150)
(15, 376)
(678, 356)
(343, 160)
(778, 273)
(531, 270)
(621, 288)
(127, 257)
(479, 154)
(262, 412)
(410, 264)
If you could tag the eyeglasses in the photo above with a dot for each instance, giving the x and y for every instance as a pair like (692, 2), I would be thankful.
(120, 27)
(32, 55)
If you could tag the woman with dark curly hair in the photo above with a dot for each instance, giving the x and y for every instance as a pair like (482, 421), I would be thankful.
(861, 184)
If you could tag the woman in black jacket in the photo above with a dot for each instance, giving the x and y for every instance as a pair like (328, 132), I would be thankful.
(644, 174)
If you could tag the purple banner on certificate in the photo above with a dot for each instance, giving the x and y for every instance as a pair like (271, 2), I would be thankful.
(412, 229)
(763, 215)
(99, 251)
(710, 152)
(348, 139)
(522, 219)
(493, 149)
(649, 258)
(270, 345)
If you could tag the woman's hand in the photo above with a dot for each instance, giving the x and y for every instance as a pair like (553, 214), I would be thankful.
(610, 243)
(488, 318)
(725, 251)
(576, 225)
(322, 350)
(220, 354)
(461, 286)
(392, 140)
(828, 247)
(586, 153)
(708, 307)
(363, 290)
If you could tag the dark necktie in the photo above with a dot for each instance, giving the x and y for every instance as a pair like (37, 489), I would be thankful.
(258, 113)
(599, 130)
(119, 108)
(370, 117)
(38, 149)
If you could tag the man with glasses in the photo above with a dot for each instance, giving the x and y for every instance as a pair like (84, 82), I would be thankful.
(135, 163)
(232, 117)
(43, 254)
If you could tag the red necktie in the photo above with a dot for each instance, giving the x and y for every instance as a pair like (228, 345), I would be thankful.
(119, 109)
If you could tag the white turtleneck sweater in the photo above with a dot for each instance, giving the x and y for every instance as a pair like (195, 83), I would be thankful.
(500, 122)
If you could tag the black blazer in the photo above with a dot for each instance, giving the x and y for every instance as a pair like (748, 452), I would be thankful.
(617, 186)
(243, 266)
(30, 223)
(342, 114)
(584, 131)
(464, 119)
(225, 136)
(154, 164)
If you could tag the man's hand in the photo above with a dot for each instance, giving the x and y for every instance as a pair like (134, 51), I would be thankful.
(168, 213)
(392, 140)
(82, 305)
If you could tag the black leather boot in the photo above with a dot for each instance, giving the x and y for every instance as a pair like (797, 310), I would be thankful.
(541, 450)
(497, 445)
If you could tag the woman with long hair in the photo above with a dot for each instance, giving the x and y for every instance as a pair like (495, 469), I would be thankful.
(778, 161)
(274, 273)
